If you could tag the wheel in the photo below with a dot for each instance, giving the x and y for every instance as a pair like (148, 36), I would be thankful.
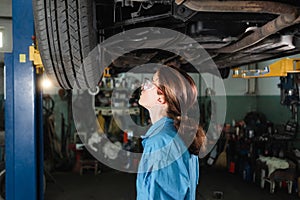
(65, 36)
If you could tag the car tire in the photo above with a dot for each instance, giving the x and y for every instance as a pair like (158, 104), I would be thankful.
(66, 34)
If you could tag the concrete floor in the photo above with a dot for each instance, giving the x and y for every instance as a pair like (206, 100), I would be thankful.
(114, 185)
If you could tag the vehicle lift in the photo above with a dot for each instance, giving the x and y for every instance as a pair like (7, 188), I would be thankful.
(23, 119)
(288, 69)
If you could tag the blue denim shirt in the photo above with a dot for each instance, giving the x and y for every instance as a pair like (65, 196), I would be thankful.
(167, 170)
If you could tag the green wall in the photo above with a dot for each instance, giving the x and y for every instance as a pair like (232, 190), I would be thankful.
(274, 111)
(239, 106)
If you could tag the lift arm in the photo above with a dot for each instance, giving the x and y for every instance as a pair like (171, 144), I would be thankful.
(280, 68)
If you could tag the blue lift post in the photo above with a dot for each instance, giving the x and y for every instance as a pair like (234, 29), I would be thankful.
(23, 171)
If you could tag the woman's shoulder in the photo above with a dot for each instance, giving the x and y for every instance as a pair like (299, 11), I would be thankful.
(165, 141)
(162, 138)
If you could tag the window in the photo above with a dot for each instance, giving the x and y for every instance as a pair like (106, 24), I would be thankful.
(1, 39)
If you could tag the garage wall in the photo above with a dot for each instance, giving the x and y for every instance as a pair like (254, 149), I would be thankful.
(238, 99)
(264, 98)
(244, 95)
(6, 8)
(60, 110)
(6, 27)
(268, 101)
(268, 97)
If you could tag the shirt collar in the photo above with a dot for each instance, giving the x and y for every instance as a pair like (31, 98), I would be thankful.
(154, 129)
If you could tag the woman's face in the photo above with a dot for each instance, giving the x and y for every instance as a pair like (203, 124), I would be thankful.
(149, 95)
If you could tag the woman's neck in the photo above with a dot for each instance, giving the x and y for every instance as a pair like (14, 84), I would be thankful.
(156, 114)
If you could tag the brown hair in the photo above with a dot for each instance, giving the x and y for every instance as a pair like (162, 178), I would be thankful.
(181, 94)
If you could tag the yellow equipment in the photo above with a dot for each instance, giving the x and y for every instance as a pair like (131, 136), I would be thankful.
(35, 57)
(280, 68)
(106, 72)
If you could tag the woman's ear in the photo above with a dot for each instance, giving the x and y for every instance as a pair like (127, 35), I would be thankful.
(161, 99)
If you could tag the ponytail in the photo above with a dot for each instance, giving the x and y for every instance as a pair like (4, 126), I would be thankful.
(191, 133)
(199, 142)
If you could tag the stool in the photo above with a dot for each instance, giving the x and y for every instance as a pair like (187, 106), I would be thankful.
(279, 175)
(89, 164)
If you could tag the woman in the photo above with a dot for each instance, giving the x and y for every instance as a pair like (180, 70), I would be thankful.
(169, 165)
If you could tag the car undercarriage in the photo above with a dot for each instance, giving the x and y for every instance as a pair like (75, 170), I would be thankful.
(234, 33)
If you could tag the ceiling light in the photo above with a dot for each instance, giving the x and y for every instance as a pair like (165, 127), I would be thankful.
(46, 83)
